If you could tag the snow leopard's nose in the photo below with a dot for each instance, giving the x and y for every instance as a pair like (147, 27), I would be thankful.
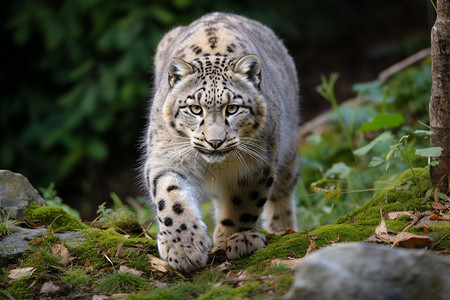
(215, 143)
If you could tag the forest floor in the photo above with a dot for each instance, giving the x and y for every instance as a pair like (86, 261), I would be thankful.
(121, 262)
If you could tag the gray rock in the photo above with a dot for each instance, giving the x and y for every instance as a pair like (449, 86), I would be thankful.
(13, 246)
(366, 271)
(16, 194)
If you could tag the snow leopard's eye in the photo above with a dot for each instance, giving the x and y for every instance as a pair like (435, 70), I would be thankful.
(232, 109)
(196, 109)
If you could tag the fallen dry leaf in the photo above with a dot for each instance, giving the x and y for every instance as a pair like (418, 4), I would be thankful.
(49, 288)
(16, 274)
(120, 253)
(409, 240)
(125, 269)
(289, 231)
(291, 263)
(158, 264)
(237, 278)
(436, 217)
(336, 240)
(437, 205)
(397, 214)
(223, 267)
(383, 239)
(312, 244)
(161, 285)
(61, 251)
(118, 296)
(381, 229)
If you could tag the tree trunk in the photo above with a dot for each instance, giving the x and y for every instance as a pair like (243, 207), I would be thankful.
(440, 95)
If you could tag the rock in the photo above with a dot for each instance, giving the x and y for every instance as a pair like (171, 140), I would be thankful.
(13, 246)
(365, 271)
(16, 194)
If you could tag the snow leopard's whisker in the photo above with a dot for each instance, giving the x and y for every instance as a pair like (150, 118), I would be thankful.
(236, 153)
(179, 154)
(253, 153)
(249, 142)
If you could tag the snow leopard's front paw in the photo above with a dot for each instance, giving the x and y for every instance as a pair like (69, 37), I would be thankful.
(242, 244)
(185, 249)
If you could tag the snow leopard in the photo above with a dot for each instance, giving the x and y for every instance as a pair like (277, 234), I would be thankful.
(223, 127)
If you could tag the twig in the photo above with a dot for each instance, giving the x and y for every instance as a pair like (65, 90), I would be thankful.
(417, 218)
(252, 278)
(422, 123)
(146, 229)
(7, 295)
(106, 256)
(394, 69)
(440, 240)
(96, 219)
(60, 215)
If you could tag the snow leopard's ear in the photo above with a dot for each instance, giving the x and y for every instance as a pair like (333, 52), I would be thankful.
(250, 66)
(177, 69)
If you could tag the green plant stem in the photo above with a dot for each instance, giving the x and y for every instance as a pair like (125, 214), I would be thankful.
(326, 90)
(434, 6)
(409, 162)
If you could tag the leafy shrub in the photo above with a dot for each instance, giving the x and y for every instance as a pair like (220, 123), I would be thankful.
(382, 139)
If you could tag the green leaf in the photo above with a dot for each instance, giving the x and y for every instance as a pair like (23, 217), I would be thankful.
(340, 170)
(424, 132)
(442, 196)
(381, 121)
(376, 161)
(117, 202)
(431, 151)
(380, 139)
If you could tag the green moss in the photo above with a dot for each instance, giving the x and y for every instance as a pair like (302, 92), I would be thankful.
(99, 241)
(402, 194)
(40, 256)
(121, 283)
(138, 259)
(57, 217)
(22, 288)
(277, 268)
(355, 226)
(209, 276)
(253, 289)
(181, 290)
(5, 226)
(297, 244)
(229, 292)
(77, 278)
(121, 217)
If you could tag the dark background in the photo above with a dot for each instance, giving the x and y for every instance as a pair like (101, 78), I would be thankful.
(76, 75)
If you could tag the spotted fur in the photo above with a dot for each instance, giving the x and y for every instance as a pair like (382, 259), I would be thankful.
(223, 127)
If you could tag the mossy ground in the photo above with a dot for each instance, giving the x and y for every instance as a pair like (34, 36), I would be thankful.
(97, 260)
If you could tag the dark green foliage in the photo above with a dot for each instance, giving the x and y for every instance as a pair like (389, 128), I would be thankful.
(76, 75)
(395, 140)
(76, 91)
